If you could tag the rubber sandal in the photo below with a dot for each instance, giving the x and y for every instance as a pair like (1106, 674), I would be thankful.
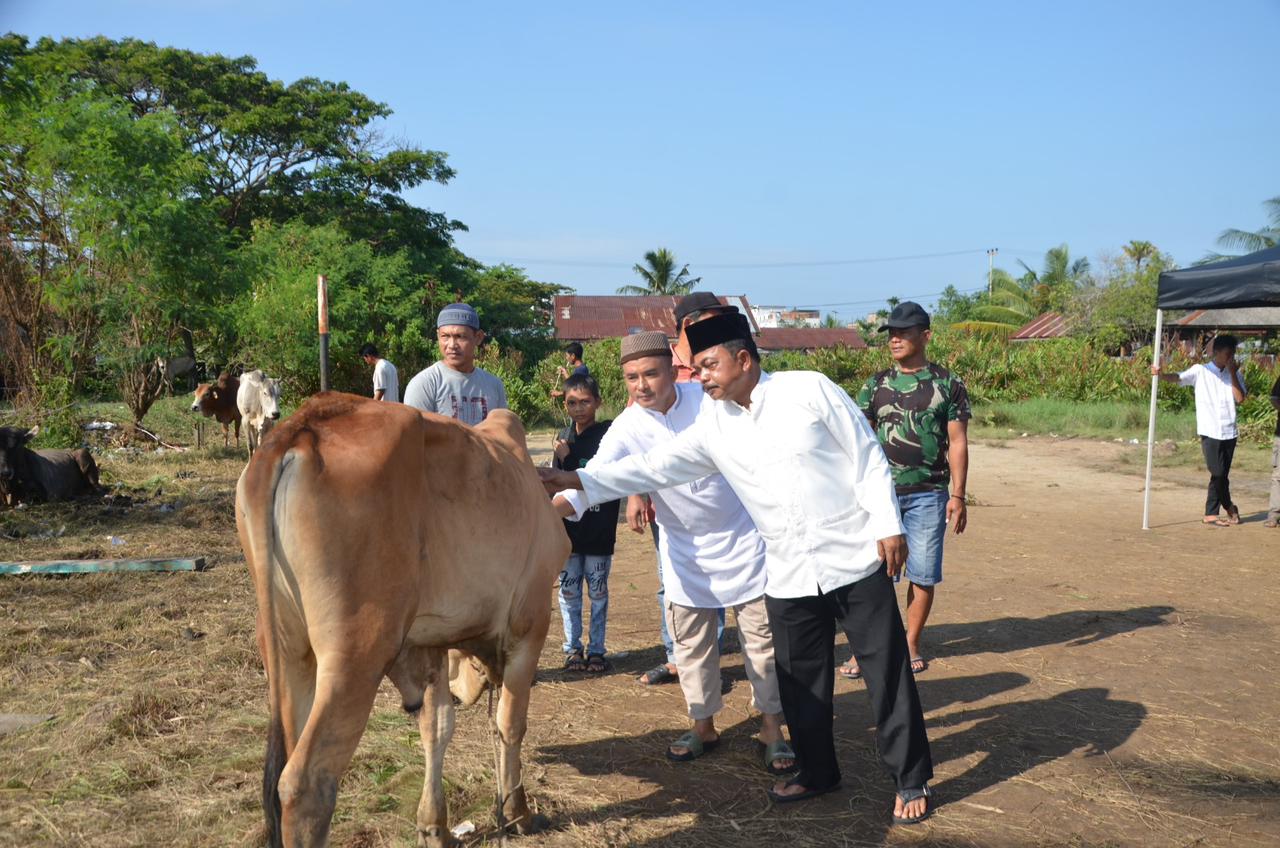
(657, 674)
(849, 671)
(693, 745)
(775, 751)
(924, 664)
(575, 661)
(597, 664)
(800, 796)
(909, 795)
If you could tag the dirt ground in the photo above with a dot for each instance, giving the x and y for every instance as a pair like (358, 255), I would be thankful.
(1090, 684)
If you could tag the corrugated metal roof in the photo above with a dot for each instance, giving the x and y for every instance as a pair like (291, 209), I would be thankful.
(585, 317)
(1050, 325)
(807, 338)
(1251, 318)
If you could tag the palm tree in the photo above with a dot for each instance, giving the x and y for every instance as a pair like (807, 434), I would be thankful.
(1053, 286)
(660, 275)
(1138, 251)
(1007, 308)
(1233, 239)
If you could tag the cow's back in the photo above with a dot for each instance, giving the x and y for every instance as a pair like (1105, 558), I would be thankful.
(63, 474)
(411, 514)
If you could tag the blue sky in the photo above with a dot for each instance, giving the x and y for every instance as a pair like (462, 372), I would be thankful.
(776, 136)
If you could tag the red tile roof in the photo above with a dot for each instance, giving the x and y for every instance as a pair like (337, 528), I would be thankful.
(583, 317)
(807, 338)
(1050, 325)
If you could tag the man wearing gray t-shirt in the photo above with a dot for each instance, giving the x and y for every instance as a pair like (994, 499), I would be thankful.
(454, 386)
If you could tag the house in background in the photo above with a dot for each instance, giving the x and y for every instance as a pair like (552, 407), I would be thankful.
(769, 317)
(589, 318)
(1049, 325)
(1195, 330)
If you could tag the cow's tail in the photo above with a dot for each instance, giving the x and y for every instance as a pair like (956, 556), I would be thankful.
(261, 538)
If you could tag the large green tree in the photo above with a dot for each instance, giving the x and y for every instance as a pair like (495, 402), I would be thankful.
(660, 275)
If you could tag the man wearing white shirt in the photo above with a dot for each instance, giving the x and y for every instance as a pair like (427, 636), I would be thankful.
(812, 476)
(1218, 389)
(386, 381)
(709, 551)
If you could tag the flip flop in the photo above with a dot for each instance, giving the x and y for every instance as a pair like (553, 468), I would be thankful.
(909, 795)
(575, 662)
(921, 661)
(597, 664)
(775, 751)
(657, 674)
(800, 796)
(849, 671)
(693, 745)
(1217, 522)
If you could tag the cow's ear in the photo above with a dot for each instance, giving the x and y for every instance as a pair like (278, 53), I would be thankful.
(31, 434)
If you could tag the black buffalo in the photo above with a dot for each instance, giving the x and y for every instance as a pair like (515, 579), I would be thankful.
(47, 475)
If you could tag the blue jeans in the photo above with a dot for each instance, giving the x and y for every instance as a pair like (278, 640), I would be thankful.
(924, 520)
(667, 644)
(595, 570)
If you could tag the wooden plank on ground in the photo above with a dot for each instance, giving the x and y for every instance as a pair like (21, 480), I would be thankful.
(101, 566)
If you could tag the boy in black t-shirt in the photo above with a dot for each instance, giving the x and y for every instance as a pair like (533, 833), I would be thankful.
(593, 537)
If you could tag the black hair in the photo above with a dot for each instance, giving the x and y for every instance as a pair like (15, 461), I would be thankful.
(369, 350)
(574, 349)
(583, 381)
(1227, 342)
(749, 345)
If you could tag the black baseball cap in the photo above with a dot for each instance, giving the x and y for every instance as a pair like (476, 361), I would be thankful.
(696, 302)
(904, 315)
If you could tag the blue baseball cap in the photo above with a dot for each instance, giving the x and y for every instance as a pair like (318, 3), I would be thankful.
(458, 315)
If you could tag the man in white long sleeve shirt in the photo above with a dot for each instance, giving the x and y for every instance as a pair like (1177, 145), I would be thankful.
(710, 553)
(810, 473)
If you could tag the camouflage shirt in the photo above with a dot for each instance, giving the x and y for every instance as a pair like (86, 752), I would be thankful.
(910, 413)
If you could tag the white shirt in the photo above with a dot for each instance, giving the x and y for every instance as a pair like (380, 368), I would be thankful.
(1215, 402)
(710, 552)
(386, 378)
(804, 463)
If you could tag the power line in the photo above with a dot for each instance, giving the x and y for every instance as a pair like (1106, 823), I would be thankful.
(883, 300)
(581, 263)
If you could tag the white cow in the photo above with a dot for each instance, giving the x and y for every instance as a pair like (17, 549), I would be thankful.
(259, 403)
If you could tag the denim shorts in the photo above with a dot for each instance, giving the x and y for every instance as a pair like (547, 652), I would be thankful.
(924, 518)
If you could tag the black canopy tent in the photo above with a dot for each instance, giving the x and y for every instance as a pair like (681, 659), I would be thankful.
(1252, 280)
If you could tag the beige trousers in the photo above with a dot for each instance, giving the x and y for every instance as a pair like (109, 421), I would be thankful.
(697, 656)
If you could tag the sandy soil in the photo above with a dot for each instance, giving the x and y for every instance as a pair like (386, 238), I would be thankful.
(1089, 684)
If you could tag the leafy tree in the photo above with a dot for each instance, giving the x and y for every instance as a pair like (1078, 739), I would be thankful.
(660, 275)
(1117, 315)
(1138, 251)
(515, 310)
(1052, 287)
(954, 307)
(1246, 241)
(1007, 307)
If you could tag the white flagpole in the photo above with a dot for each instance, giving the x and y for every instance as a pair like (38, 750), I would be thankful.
(1151, 423)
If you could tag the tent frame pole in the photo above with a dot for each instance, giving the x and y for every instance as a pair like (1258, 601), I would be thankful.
(1151, 421)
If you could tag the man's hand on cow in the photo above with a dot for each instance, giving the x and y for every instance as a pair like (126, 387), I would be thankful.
(563, 508)
(893, 551)
(554, 480)
(637, 513)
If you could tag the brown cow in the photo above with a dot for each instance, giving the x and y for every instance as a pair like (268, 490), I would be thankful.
(218, 401)
(48, 475)
(379, 537)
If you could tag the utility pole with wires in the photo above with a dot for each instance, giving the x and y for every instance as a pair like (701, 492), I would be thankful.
(991, 266)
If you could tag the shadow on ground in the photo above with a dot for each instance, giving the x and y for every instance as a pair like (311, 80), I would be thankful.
(725, 790)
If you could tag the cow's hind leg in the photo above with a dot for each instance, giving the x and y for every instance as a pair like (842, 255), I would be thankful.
(422, 678)
(513, 717)
(308, 788)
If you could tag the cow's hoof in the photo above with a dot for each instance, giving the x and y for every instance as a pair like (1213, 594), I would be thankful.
(532, 823)
(436, 837)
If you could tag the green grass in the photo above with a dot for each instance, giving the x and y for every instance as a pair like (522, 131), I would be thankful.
(1097, 420)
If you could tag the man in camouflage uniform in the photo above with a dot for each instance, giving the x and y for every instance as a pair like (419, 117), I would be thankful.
(919, 411)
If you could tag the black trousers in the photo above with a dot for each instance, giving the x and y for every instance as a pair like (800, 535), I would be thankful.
(804, 651)
(1218, 454)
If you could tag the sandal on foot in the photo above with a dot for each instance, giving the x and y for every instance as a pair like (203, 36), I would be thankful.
(775, 751)
(1217, 522)
(1233, 514)
(918, 664)
(849, 671)
(658, 674)
(909, 795)
(575, 661)
(800, 796)
(693, 746)
(597, 664)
